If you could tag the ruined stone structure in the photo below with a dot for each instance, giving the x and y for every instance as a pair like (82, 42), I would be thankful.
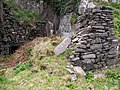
(16, 33)
(95, 45)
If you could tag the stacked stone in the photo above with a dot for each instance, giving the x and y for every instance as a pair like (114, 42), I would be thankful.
(16, 33)
(96, 46)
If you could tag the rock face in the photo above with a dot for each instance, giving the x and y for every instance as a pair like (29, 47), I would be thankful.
(65, 25)
(95, 45)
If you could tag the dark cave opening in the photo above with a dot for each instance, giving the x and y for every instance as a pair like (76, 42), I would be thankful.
(13, 48)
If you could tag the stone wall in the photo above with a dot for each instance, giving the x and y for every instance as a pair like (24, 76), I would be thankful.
(95, 45)
(16, 33)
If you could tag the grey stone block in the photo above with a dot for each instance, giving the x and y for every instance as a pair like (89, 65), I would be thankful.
(75, 59)
(79, 45)
(111, 62)
(96, 46)
(111, 56)
(71, 57)
(98, 27)
(101, 31)
(80, 50)
(89, 56)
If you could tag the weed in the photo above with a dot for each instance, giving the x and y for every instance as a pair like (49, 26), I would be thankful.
(118, 60)
(66, 53)
(29, 50)
(73, 19)
(6, 56)
(89, 77)
(71, 86)
(3, 80)
(22, 67)
(113, 75)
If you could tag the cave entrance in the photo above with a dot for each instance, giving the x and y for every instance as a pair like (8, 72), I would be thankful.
(13, 48)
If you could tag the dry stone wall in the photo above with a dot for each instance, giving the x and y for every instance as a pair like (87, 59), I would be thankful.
(16, 33)
(95, 45)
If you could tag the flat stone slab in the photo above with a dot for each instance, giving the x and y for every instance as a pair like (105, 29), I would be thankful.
(62, 46)
(79, 71)
(96, 76)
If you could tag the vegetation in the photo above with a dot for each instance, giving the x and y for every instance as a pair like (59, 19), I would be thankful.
(23, 15)
(3, 80)
(62, 6)
(73, 19)
(113, 75)
(22, 66)
(29, 50)
(49, 71)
